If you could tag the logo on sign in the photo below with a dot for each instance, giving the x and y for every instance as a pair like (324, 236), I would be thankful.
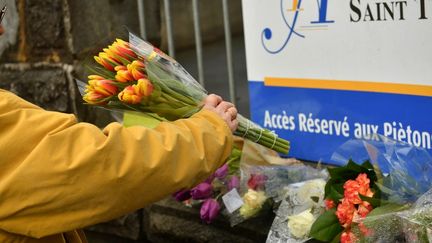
(294, 11)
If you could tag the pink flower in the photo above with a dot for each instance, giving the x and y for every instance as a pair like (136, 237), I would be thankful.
(234, 182)
(345, 212)
(209, 210)
(182, 195)
(364, 188)
(256, 181)
(364, 208)
(351, 188)
(221, 172)
(202, 191)
(347, 237)
(329, 204)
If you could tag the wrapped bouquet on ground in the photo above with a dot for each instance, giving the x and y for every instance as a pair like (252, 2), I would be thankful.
(386, 198)
(264, 180)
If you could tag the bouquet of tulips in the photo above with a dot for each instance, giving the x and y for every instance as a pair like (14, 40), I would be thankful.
(136, 76)
(208, 193)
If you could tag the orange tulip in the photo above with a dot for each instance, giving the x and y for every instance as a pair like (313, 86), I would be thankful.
(144, 87)
(94, 98)
(129, 95)
(103, 87)
(136, 68)
(106, 61)
(123, 75)
(90, 77)
(122, 49)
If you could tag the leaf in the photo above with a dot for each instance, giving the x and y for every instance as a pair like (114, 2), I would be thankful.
(335, 195)
(375, 202)
(326, 227)
(389, 208)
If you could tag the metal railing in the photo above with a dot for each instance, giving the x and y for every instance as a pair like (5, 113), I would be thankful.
(198, 39)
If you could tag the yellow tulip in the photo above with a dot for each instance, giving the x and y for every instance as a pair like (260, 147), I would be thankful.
(128, 95)
(144, 87)
(136, 68)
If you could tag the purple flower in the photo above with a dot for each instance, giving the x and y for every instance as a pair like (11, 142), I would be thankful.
(202, 191)
(209, 210)
(221, 172)
(182, 195)
(234, 182)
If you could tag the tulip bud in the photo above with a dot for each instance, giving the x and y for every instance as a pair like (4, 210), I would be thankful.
(103, 87)
(209, 210)
(202, 191)
(222, 171)
(128, 95)
(234, 182)
(123, 75)
(136, 68)
(182, 195)
(122, 48)
(94, 98)
(144, 87)
(105, 60)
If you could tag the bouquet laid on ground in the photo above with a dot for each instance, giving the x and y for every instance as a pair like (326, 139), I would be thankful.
(208, 194)
(387, 198)
(244, 186)
(264, 178)
(136, 76)
(302, 205)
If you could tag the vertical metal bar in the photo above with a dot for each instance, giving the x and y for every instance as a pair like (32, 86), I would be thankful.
(171, 51)
(228, 43)
(198, 41)
(141, 16)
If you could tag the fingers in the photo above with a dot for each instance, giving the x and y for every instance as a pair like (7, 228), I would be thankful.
(224, 109)
(212, 100)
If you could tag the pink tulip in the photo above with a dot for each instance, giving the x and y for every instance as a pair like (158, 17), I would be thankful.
(209, 210)
(221, 172)
(234, 182)
(202, 191)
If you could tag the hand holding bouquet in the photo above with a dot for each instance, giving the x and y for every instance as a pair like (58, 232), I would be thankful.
(138, 77)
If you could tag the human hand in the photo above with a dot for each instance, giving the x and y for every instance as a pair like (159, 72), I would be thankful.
(225, 110)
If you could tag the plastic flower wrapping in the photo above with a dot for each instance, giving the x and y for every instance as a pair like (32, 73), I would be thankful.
(135, 76)
(248, 185)
(382, 194)
(264, 180)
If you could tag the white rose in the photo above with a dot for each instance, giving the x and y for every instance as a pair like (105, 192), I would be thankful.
(300, 224)
(312, 188)
(253, 201)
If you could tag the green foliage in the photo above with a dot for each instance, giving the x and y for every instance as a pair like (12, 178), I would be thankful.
(326, 228)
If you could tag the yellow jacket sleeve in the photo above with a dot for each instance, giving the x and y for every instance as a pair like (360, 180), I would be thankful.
(57, 175)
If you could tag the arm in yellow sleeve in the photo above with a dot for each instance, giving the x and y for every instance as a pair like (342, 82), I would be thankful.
(57, 175)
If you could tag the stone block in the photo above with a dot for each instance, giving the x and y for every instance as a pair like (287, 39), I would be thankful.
(127, 227)
(42, 84)
(46, 37)
(169, 221)
(95, 24)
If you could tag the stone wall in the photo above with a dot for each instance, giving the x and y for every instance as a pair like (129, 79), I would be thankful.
(41, 54)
